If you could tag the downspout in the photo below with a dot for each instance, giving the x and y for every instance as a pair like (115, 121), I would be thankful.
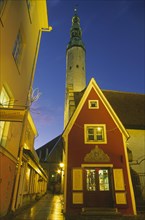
(36, 55)
(20, 154)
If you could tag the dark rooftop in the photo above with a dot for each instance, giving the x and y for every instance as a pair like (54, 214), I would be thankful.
(129, 107)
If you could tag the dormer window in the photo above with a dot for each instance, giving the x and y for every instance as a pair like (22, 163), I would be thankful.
(93, 104)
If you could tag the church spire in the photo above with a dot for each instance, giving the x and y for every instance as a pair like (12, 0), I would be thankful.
(75, 32)
(75, 67)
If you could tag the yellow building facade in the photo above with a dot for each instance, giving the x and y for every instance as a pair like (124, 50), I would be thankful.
(136, 144)
(21, 25)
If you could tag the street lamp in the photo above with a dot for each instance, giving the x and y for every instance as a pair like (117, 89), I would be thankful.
(61, 165)
(58, 171)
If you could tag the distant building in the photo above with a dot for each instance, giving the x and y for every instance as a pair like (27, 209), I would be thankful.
(22, 179)
(50, 156)
(103, 142)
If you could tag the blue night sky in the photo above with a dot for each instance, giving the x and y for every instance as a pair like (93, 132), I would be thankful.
(113, 34)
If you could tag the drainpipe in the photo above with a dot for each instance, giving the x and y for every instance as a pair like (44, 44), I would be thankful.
(20, 154)
(20, 157)
(36, 54)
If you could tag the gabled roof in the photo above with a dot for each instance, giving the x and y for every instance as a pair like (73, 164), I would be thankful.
(48, 147)
(129, 107)
(80, 103)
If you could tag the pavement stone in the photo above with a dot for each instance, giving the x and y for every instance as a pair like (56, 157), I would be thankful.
(49, 207)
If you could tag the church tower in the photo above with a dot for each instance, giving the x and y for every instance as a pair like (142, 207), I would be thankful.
(75, 67)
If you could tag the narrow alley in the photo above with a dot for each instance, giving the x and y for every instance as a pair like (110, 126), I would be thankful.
(49, 207)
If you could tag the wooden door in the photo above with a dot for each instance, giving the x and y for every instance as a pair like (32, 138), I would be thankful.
(98, 187)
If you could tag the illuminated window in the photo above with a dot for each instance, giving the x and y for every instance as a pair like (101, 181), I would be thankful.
(95, 133)
(27, 180)
(4, 102)
(97, 179)
(93, 104)
(91, 179)
(4, 98)
(103, 180)
(18, 48)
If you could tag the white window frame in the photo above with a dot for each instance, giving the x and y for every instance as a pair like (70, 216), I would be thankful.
(90, 102)
(95, 134)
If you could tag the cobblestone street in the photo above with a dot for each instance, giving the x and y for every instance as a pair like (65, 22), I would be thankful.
(49, 207)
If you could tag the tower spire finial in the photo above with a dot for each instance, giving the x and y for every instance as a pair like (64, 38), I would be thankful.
(75, 9)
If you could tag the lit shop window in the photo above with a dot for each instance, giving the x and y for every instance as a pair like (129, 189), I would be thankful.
(103, 180)
(91, 179)
(97, 179)
(4, 102)
(18, 48)
(93, 104)
(27, 179)
(95, 133)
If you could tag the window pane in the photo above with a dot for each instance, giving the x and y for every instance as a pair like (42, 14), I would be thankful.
(95, 133)
(90, 131)
(90, 180)
(93, 104)
(4, 98)
(99, 138)
(27, 178)
(4, 126)
(2, 123)
(17, 51)
(99, 133)
(103, 180)
(90, 134)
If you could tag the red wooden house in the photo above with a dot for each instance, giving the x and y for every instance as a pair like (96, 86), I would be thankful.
(97, 173)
